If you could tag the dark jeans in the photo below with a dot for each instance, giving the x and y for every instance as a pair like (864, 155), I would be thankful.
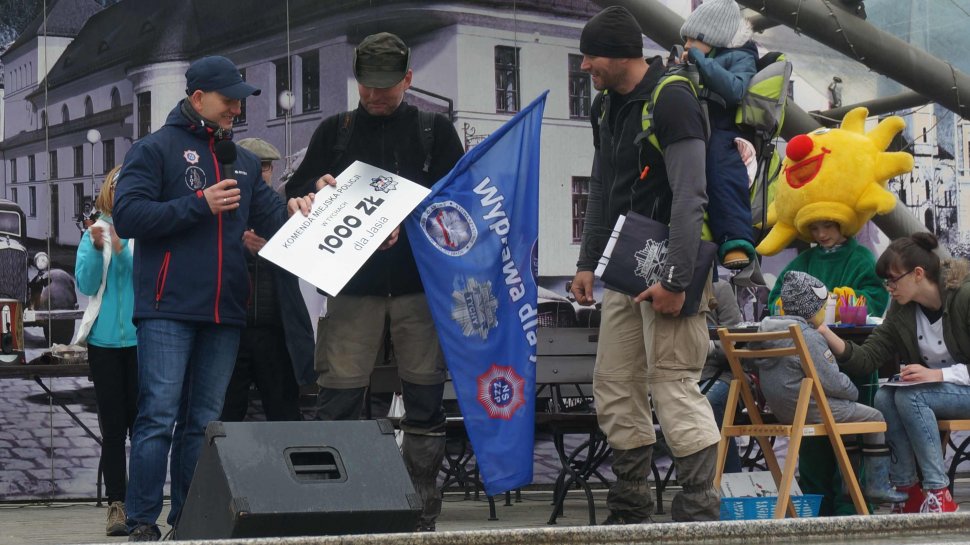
(183, 371)
(717, 396)
(263, 360)
(115, 375)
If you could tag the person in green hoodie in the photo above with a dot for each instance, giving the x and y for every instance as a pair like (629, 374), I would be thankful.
(103, 270)
(838, 260)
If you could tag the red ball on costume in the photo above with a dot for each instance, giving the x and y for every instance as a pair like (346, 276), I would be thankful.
(799, 147)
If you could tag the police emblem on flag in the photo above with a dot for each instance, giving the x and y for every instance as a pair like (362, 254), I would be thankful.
(383, 183)
(449, 227)
(474, 308)
(501, 392)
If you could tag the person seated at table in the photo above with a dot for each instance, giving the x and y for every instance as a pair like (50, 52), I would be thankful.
(104, 273)
(803, 298)
(928, 326)
(716, 376)
(837, 260)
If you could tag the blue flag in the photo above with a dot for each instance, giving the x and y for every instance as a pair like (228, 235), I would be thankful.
(475, 242)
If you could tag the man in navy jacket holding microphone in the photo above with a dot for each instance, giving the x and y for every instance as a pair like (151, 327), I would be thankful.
(187, 208)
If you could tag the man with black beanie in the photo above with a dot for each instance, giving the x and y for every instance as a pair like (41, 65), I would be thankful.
(647, 349)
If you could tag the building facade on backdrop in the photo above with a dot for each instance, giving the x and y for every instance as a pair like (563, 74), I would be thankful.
(101, 78)
(116, 72)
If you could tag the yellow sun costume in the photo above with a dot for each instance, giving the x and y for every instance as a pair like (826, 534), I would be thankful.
(835, 175)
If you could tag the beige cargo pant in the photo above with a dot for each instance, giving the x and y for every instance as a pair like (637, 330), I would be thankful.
(642, 354)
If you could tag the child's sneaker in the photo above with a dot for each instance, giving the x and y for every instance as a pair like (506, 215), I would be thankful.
(939, 501)
(736, 254)
(915, 501)
(736, 259)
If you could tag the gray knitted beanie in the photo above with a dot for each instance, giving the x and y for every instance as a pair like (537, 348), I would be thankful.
(717, 23)
(802, 294)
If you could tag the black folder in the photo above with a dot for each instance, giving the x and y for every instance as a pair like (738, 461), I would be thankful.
(634, 259)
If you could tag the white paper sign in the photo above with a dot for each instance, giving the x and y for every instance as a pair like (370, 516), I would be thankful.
(346, 225)
(754, 484)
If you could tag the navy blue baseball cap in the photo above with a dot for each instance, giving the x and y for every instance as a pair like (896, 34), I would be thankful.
(217, 74)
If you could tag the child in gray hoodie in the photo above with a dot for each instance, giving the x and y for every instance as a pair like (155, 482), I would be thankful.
(803, 299)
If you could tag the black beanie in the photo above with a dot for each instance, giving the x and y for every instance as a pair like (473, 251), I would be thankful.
(612, 33)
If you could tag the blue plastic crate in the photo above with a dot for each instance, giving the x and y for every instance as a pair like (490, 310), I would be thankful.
(764, 507)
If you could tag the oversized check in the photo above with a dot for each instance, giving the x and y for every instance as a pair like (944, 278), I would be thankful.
(346, 225)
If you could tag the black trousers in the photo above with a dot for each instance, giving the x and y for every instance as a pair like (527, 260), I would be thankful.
(264, 361)
(115, 375)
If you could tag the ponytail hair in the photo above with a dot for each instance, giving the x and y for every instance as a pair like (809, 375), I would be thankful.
(105, 201)
(907, 253)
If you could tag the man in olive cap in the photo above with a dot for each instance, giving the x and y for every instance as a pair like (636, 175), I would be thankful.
(386, 132)
(647, 351)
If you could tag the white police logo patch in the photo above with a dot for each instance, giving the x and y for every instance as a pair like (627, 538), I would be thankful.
(501, 392)
(474, 308)
(195, 178)
(191, 156)
(383, 183)
(449, 227)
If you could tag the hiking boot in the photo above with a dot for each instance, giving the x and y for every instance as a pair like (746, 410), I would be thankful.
(116, 520)
(615, 519)
(913, 502)
(145, 532)
(736, 259)
(939, 501)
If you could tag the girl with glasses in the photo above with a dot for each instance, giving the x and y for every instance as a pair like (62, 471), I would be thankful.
(928, 326)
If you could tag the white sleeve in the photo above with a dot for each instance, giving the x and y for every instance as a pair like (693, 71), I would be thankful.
(956, 374)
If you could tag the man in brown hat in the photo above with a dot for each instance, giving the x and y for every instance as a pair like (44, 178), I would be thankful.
(276, 348)
(648, 353)
(386, 132)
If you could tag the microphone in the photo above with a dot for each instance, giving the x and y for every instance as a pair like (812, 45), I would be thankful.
(226, 155)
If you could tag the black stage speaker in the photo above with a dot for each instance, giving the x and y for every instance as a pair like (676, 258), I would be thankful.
(267, 479)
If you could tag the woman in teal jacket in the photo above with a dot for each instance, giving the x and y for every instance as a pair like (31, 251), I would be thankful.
(104, 273)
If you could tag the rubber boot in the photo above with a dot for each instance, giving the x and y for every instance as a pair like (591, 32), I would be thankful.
(340, 404)
(424, 445)
(877, 488)
(629, 499)
(697, 500)
(423, 455)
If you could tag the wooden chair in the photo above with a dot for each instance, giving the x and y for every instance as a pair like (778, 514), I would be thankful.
(810, 390)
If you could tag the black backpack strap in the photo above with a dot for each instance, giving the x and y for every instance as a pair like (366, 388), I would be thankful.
(595, 115)
(426, 136)
(345, 129)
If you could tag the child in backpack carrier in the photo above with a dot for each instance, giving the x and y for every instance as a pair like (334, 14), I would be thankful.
(717, 41)
(803, 298)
